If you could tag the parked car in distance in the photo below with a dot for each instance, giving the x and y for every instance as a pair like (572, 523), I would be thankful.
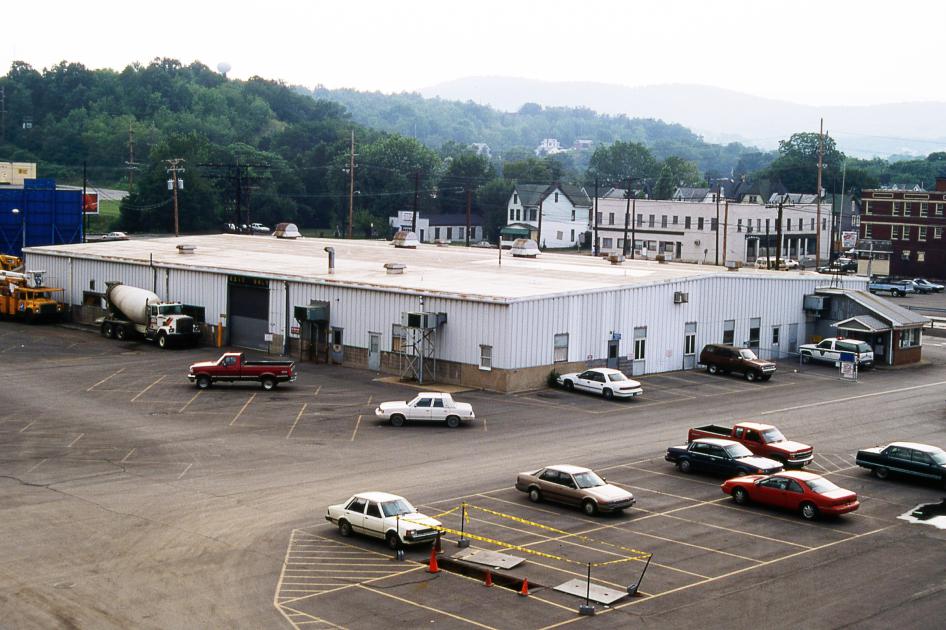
(724, 358)
(258, 228)
(807, 493)
(931, 287)
(830, 350)
(483, 244)
(429, 406)
(115, 236)
(762, 439)
(574, 485)
(287, 230)
(721, 457)
(770, 262)
(234, 366)
(383, 515)
(605, 382)
(888, 285)
(904, 458)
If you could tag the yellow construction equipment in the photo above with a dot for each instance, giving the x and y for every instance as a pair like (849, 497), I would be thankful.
(23, 296)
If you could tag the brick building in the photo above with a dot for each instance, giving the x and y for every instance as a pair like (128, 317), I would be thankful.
(913, 222)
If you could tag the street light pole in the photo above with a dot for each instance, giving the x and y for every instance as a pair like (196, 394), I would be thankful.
(22, 227)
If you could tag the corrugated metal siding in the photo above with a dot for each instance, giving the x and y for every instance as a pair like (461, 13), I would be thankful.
(198, 288)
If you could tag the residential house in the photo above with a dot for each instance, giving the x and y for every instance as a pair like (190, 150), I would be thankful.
(565, 214)
(438, 227)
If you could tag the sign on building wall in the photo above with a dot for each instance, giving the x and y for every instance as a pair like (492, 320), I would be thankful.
(848, 240)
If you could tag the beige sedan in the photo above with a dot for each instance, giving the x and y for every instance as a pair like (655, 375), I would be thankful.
(574, 485)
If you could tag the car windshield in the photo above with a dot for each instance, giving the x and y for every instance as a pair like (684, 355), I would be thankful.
(175, 309)
(772, 435)
(588, 480)
(617, 376)
(821, 485)
(399, 506)
(862, 346)
(738, 450)
(747, 354)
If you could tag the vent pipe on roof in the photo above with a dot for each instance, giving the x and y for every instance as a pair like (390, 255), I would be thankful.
(331, 259)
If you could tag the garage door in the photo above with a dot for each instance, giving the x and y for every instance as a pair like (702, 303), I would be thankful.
(248, 318)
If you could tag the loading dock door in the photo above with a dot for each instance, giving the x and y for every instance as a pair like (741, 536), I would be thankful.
(248, 316)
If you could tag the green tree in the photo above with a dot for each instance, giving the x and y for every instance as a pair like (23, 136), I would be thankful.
(612, 165)
(665, 183)
(796, 166)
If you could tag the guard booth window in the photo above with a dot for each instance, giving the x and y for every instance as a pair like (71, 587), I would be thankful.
(640, 343)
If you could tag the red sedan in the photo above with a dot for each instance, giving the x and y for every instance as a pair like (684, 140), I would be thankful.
(806, 492)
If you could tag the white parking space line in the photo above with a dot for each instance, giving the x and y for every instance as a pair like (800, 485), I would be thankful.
(849, 398)
(26, 427)
(37, 465)
(184, 408)
(292, 428)
(105, 379)
(145, 390)
(317, 390)
(242, 409)
(355, 432)
(186, 468)
(125, 458)
(72, 443)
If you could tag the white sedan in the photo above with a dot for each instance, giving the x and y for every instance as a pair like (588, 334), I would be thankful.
(604, 381)
(426, 406)
(383, 515)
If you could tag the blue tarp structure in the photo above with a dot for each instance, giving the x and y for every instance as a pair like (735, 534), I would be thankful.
(48, 216)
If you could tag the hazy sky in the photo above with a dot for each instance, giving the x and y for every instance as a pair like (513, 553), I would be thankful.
(827, 52)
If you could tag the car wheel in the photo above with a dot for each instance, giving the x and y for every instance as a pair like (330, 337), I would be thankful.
(608, 394)
(203, 381)
(108, 330)
(712, 368)
(685, 466)
(534, 495)
(751, 375)
(453, 422)
(344, 528)
(162, 340)
(808, 511)
(397, 420)
(589, 507)
(570, 386)
(121, 333)
(806, 358)
(881, 473)
(393, 541)
(268, 383)
(740, 496)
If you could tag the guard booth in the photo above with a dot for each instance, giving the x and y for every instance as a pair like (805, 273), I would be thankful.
(313, 331)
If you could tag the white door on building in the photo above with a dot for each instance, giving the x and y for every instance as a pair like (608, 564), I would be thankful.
(689, 346)
(639, 355)
(374, 351)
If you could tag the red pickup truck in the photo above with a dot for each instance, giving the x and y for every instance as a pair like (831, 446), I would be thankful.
(761, 439)
(233, 366)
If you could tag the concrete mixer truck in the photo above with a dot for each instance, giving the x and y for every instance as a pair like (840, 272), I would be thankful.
(134, 312)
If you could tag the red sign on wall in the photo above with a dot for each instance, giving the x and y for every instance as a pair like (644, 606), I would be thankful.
(90, 203)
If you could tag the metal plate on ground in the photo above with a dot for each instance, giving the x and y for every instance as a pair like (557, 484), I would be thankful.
(599, 594)
(489, 558)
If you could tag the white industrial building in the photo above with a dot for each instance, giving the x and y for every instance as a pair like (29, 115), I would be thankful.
(496, 322)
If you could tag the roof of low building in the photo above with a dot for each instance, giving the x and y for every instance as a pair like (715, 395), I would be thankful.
(883, 309)
(455, 272)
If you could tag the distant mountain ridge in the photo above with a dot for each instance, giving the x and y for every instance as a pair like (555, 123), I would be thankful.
(721, 115)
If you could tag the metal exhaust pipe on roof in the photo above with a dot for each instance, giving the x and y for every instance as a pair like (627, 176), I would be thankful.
(331, 259)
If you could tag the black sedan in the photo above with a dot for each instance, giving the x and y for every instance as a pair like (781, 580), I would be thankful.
(720, 457)
(905, 458)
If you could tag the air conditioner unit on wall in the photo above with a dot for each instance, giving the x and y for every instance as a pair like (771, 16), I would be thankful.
(680, 297)
(419, 320)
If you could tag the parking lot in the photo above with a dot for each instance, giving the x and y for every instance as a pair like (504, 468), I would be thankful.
(129, 497)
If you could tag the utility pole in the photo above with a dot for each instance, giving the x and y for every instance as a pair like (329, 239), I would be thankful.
(627, 215)
(351, 186)
(3, 114)
(416, 191)
(594, 244)
(768, 257)
(174, 167)
(818, 192)
(840, 209)
(131, 166)
(778, 234)
(717, 224)
(239, 175)
(539, 235)
(469, 210)
(633, 225)
(85, 215)
(725, 229)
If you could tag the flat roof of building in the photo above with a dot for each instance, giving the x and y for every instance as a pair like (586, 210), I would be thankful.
(451, 271)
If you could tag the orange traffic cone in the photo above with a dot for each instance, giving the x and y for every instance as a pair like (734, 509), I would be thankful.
(525, 588)
(432, 567)
(489, 578)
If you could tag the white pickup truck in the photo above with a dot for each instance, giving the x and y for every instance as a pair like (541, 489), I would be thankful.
(829, 350)
(426, 406)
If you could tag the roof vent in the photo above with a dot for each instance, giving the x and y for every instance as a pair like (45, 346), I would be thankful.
(185, 248)
(405, 239)
(616, 259)
(395, 269)
(524, 248)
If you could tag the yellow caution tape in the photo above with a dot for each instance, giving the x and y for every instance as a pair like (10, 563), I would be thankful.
(448, 512)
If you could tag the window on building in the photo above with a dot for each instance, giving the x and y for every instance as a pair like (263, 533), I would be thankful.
(486, 358)
(610, 218)
(689, 338)
(533, 214)
(650, 221)
(812, 228)
(512, 214)
(894, 232)
(867, 231)
(573, 215)
(699, 223)
(598, 218)
(937, 232)
(939, 210)
(767, 224)
(515, 197)
(907, 207)
(867, 207)
(729, 331)
(776, 334)
(558, 235)
(905, 254)
(640, 220)
(739, 225)
(895, 209)
(436, 232)
(924, 209)
(556, 197)
(922, 234)
(906, 232)
(686, 223)
(921, 256)
(713, 224)
(910, 338)
(449, 233)
(640, 343)
(676, 220)
(755, 324)
(460, 233)
(518, 215)
(824, 224)
(606, 243)
(572, 238)
(560, 348)
(663, 221)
